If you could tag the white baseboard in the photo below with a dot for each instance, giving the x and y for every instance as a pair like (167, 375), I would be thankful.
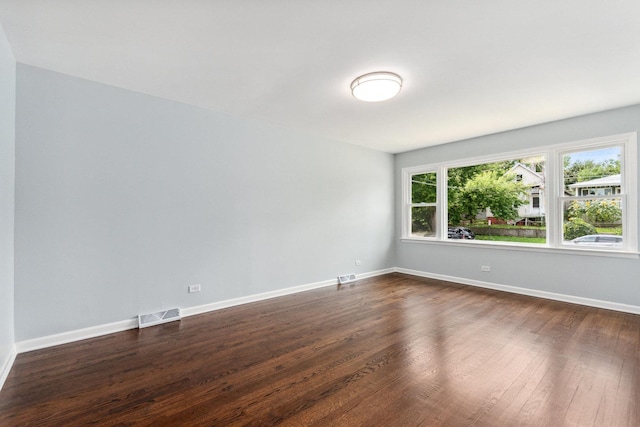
(625, 308)
(7, 364)
(218, 305)
(375, 273)
(76, 335)
(191, 311)
(123, 325)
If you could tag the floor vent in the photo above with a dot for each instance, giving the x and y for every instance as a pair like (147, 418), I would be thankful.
(151, 319)
(347, 278)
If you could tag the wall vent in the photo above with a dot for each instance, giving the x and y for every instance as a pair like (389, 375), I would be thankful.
(347, 278)
(151, 319)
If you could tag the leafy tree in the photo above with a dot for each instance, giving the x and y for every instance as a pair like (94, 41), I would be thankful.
(460, 208)
(577, 227)
(586, 170)
(592, 211)
(494, 190)
(423, 190)
(596, 211)
(456, 180)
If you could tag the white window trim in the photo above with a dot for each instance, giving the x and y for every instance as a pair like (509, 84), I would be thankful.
(553, 195)
(408, 205)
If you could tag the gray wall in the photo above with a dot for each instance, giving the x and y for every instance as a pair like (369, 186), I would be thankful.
(7, 155)
(603, 278)
(123, 200)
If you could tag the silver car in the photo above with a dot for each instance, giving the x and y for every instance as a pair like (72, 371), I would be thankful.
(598, 240)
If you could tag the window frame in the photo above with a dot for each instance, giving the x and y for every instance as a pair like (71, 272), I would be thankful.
(554, 196)
(408, 204)
(535, 201)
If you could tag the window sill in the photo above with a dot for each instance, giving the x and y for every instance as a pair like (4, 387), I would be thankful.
(508, 246)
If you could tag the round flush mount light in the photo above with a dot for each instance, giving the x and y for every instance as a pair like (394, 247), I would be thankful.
(378, 86)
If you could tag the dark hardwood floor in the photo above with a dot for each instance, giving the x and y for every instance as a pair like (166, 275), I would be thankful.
(389, 351)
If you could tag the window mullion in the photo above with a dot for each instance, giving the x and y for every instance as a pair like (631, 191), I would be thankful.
(555, 189)
(406, 204)
(548, 183)
(441, 179)
(630, 192)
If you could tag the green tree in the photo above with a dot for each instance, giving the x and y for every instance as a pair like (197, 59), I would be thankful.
(577, 227)
(423, 190)
(586, 170)
(457, 178)
(596, 211)
(494, 190)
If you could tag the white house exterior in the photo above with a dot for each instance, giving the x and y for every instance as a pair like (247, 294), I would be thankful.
(535, 182)
(605, 186)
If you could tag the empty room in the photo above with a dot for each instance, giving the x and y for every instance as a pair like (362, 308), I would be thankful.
(409, 213)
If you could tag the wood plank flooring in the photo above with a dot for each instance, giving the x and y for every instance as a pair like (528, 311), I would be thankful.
(395, 350)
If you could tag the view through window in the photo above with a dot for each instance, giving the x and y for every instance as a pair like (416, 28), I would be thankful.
(423, 204)
(592, 201)
(579, 195)
(498, 201)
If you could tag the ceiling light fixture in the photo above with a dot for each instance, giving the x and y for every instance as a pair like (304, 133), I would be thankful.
(378, 86)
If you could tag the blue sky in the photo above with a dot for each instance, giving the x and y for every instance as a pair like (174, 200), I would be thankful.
(597, 156)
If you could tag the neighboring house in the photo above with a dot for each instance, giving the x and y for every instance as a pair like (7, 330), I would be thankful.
(604, 186)
(534, 209)
(535, 181)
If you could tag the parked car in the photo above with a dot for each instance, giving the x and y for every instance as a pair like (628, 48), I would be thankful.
(460, 233)
(598, 240)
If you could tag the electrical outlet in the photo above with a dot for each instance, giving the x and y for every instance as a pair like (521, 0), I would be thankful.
(358, 262)
(485, 268)
(194, 288)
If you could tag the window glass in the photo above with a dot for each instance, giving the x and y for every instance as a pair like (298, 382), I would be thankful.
(423, 222)
(572, 195)
(423, 188)
(423, 204)
(593, 197)
(587, 169)
(498, 201)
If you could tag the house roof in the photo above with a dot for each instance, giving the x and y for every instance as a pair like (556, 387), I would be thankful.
(519, 165)
(536, 179)
(606, 181)
(469, 68)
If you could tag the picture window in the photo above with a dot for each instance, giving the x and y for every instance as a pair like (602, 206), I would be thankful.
(552, 197)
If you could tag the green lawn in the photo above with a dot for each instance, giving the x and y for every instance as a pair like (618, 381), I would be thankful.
(615, 231)
(538, 240)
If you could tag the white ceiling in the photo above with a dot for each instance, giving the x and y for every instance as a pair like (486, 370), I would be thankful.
(470, 67)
